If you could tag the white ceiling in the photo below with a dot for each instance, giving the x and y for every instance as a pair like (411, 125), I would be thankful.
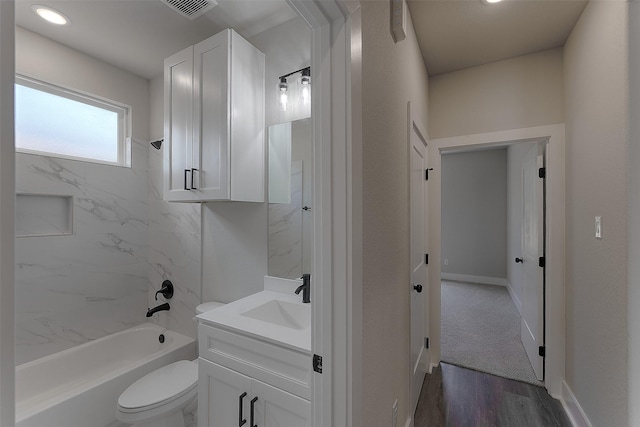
(136, 35)
(457, 34)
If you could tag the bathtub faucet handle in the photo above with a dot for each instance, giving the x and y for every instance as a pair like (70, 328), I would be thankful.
(166, 290)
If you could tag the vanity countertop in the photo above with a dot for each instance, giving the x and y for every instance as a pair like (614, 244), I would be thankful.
(277, 317)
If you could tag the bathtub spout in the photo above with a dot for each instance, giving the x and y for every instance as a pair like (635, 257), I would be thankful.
(151, 311)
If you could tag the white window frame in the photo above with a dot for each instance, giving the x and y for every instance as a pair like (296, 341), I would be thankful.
(122, 110)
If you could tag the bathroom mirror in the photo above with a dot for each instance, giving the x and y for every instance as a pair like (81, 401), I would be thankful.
(290, 197)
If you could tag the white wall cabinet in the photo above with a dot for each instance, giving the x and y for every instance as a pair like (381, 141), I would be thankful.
(214, 147)
(276, 381)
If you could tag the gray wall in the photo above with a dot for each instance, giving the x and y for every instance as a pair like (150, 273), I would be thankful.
(474, 213)
(392, 74)
(597, 123)
(634, 214)
(515, 93)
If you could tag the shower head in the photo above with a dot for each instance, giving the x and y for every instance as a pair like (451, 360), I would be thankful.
(157, 144)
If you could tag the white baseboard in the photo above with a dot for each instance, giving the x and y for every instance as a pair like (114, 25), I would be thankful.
(573, 409)
(514, 298)
(474, 279)
(431, 366)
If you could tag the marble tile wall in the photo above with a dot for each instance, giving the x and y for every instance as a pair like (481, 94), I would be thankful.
(285, 231)
(79, 287)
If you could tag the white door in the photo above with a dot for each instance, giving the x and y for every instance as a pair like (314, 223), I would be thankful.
(532, 324)
(419, 289)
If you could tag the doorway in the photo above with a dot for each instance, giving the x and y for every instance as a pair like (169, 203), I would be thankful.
(485, 223)
(553, 236)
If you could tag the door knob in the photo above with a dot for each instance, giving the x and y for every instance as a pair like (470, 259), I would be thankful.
(417, 288)
(519, 260)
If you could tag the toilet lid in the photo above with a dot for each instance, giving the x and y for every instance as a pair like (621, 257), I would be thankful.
(160, 386)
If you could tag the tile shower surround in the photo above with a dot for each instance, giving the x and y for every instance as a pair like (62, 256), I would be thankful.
(101, 279)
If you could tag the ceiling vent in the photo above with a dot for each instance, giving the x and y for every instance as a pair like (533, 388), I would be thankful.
(191, 9)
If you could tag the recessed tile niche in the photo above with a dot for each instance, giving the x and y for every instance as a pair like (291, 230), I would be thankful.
(43, 215)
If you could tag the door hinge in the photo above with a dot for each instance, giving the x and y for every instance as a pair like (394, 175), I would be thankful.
(426, 342)
(542, 173)
(426, 174)
(317, 363)
(426, 259)
(541, 262)
(541, 351)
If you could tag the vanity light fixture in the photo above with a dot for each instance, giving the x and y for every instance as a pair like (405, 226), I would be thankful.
(305, 81)
(50, 15)
(283, 93)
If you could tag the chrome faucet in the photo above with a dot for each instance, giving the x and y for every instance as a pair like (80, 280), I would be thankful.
(305, 288)
(161, 307)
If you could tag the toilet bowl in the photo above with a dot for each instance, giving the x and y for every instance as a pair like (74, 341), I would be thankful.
(163, 397)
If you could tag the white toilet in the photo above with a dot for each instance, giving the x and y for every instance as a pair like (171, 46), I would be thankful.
(163, 397)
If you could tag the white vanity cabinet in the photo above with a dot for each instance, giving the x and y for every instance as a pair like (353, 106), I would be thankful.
(214, 146)
(233, 398)
(242, 378)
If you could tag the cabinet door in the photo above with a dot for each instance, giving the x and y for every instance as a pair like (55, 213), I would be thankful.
(220, 401)
(211, 114)
(278, 408)
(178, 131)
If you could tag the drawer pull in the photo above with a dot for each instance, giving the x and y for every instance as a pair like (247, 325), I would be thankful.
(193, 172)
(253, 402)
(241, 420)
(186, 172)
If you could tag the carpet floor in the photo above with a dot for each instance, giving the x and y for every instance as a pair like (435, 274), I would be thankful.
(481, 331)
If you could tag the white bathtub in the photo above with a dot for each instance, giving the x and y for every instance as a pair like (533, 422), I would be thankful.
(79, 387)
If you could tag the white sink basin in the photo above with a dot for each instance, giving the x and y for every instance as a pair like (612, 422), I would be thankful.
(278, 317)
(282, 313)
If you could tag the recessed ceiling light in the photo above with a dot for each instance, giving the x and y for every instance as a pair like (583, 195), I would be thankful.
(50, 15)
(491, 1)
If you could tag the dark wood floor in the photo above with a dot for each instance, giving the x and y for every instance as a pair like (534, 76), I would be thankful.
(454, 396)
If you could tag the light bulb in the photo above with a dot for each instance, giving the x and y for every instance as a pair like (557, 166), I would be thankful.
(283, 101)
(50, 15)
(306, 76)
(306, 94)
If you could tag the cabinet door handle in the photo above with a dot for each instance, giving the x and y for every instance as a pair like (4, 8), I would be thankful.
(193, 172)
(241, 419)
(253, 402)
(186, 171)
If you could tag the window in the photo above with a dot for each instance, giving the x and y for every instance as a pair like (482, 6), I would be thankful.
(58, 122)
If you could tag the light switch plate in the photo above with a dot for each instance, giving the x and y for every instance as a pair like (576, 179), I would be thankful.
(599, 227)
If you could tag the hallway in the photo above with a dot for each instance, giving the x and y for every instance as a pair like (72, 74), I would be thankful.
(454, 396)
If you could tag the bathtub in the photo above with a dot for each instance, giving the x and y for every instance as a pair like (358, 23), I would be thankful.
(79, 387)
